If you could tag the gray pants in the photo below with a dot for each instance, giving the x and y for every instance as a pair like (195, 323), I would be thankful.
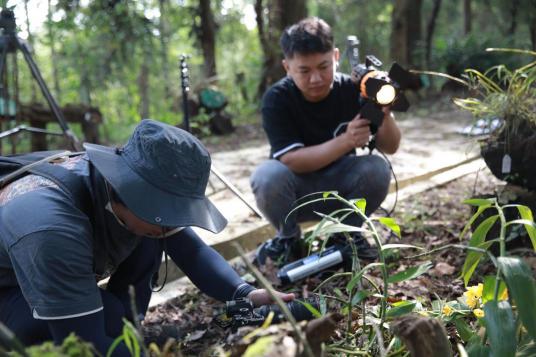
(276, 189)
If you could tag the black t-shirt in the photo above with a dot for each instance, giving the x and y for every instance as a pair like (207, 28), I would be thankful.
(290, 121)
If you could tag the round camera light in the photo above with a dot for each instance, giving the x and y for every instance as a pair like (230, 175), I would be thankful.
(386, 94)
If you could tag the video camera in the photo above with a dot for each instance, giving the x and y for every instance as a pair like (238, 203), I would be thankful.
(379, 88)
(241, 312)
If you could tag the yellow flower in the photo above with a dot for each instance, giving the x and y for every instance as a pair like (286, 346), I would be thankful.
(447, 310)
(476, 290)
(478, 313)
(504, 295)
(470, 299)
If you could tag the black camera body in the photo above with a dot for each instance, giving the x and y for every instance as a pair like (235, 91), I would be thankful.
(241, 312)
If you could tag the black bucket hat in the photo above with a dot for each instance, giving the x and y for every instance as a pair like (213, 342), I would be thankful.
(161, 175)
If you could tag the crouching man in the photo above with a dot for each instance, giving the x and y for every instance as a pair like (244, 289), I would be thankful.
(108, 212)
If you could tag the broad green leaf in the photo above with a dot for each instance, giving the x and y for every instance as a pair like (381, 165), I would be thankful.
(361, 204)
(355, 278)
(464, 330)
(477, 240)
(391, 224)
(522, 289)
(360, 296)
(396, 246)
(500, 328)
(410, 273)
(400, 308)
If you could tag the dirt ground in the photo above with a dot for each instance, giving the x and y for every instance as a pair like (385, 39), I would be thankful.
(430, 220)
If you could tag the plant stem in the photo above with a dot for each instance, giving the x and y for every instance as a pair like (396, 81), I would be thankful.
(347, 351)
(502, 245)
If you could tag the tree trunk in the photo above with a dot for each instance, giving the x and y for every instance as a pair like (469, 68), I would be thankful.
(273, 16)
(143, 87)
(532, 29)
(164, 39)
(207, 38)
(513, 17)
(430, 31)
(53, 54)
(467, 16)
(406, 32)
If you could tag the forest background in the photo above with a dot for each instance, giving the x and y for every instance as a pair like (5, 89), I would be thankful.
(122, 56)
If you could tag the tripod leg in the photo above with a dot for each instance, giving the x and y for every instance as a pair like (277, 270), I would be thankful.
(235, 191)
(75, 144)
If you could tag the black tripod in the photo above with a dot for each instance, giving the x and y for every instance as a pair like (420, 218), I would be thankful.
(185, 84)
(10, 43)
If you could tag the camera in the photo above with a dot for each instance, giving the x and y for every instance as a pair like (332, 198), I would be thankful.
(241, 312)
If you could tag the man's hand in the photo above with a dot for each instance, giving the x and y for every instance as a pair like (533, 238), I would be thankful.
(357, 132)
(261, 297)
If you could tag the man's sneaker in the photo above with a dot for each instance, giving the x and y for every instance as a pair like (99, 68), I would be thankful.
(279, 250)
(364, 250)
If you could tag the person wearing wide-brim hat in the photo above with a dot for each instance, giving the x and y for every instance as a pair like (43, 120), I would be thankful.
(66, 225)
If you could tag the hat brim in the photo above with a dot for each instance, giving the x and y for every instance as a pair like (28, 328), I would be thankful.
(147, 201)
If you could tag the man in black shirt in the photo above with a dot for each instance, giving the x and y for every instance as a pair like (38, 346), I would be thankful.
(312, 121)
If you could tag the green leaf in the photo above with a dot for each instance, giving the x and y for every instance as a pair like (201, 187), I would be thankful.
(311, 308)
(526, 349)
(326, 194)
(464, 330)
(476, 349)
(361, 204)
(360, 296)
(472, 219)
(355, 278)
(410, 273)
(478, 240)
(500, 328)
(261, 347)
(526, 214)
(396, 246)
(330, 228)
(521, 289)
(391, 224)
(530, 226)
(338, 292)
(479, 202)
(400, 308)
(488, 291)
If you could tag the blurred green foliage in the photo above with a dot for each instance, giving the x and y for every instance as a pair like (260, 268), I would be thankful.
(103, 46)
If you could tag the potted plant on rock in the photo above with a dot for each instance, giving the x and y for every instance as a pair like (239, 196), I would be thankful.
(506, 97)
